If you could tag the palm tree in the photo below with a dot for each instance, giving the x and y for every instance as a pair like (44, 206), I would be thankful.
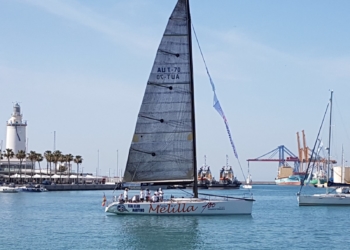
(21, 155)
(39, 158)
(49, 158)
(56, 157)
(78, 160)
(32, 157)
(62, 168)
(8, 153)
(69, 158)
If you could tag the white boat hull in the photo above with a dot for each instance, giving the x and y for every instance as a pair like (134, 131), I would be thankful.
(247, 186)
(184, 206)
(323, 199)
(8, 190)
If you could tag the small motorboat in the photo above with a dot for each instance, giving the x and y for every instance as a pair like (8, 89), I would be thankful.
(8, 189)
(32, 188)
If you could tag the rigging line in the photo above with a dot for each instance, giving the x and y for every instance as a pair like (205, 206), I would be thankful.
(216, 103)
(191, 194)
(313, 149)
(317, 155)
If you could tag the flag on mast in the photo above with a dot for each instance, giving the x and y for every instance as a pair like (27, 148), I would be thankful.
(218, 108)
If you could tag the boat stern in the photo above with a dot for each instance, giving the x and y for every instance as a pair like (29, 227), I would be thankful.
(116, 208)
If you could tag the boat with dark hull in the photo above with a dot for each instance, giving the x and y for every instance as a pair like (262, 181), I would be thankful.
(227, 179)
(205, 177)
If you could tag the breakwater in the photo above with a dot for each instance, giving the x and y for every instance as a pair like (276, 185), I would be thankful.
(79, 187)
(82, 187)
(261, 183)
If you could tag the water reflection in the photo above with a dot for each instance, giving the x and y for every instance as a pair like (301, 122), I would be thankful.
(150, 232)
(172, 232)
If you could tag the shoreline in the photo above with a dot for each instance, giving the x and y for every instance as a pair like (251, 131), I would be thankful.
(79, 187)
(82, 187)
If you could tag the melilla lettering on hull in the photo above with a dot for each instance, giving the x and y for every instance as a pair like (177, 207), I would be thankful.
(171, 208)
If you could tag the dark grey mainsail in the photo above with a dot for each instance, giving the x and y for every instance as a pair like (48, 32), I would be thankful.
(163, 145)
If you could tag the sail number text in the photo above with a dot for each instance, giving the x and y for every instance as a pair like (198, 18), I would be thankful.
(168, 73)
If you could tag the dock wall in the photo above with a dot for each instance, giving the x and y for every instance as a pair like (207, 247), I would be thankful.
(78, 187)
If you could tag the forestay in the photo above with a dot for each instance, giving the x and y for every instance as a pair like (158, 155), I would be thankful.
(162, 146)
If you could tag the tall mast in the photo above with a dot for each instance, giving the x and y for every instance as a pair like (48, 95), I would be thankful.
(195, 184)
(329, 136)
(342, 165)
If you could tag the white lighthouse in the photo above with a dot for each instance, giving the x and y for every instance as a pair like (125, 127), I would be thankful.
(16, 131)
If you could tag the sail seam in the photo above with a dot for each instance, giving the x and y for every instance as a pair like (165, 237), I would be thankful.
(153, 154)
(170, 53)
(175, 35)
(151, 118)
(180, 132)
(160, 85)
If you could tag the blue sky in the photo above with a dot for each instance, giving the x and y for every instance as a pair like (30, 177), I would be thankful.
(80, 68)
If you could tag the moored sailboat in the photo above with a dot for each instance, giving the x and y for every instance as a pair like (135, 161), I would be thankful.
(342, 195)
(248, 183)
(163, 148)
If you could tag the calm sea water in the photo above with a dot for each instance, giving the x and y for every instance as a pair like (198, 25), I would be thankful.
(76, 220)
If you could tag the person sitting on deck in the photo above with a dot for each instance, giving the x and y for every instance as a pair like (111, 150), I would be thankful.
(135, 199)
(154, 197)
(126, 194)
(142, 195)
(121, 198)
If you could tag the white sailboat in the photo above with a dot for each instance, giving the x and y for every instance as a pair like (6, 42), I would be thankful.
(341, 196)
(248, 183)
(163, 148)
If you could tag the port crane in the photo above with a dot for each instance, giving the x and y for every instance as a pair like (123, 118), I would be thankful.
(282, 160)
(305, 155)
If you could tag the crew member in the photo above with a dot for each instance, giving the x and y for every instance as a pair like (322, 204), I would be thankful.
(160, 193)
(142, 195)
(134, 199)
(148, 195)
(156, 195)
(126, 194)
(121, 198)
(154, 198)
